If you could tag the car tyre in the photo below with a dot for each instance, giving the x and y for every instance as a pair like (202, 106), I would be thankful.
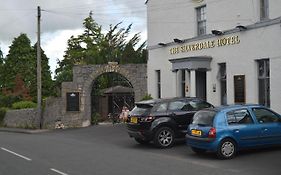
(227, 149)
(198, 150)
(142, 141)
(164, 137)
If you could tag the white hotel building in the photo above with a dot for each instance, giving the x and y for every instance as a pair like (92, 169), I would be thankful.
(224, 51)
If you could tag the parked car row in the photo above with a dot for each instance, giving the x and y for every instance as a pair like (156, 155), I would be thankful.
(223, 130)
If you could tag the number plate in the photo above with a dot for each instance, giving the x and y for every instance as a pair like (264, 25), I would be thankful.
(196, 132)
(134, 120)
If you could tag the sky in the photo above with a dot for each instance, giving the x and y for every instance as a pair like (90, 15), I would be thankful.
(60, 19)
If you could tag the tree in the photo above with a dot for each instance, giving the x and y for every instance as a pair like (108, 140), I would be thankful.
(47, 82)
(1, 69)
(21, 61)
(1, 57)
(94, 47)
(20, 89)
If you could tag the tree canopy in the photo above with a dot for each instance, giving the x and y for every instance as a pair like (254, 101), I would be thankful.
(1, 67)
(20, 63)
(95, 47)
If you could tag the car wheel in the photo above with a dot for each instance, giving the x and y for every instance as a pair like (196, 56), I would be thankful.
(198, 150)
(141, 141)
(164, 137)
(226, 149)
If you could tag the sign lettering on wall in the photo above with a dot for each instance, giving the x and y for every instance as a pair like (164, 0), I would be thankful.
(112, 67)
(226, 41)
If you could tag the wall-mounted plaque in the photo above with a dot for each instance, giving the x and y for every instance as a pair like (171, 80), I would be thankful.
(72, 101)
(239, 89)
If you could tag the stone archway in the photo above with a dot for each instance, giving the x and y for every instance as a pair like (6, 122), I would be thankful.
(83, 78)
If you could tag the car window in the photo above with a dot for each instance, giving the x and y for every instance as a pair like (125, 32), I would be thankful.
(162, 107)
(178, 105)
(140, 109)
(241, 116)
(198, 105)
(265, 116)
(204, 118)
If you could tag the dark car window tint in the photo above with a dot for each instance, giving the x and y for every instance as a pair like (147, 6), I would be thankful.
(178, 105)
(204, 118)
(162, 107)
(140, 110)
(265, 116)
(241, 116)
(198, 105)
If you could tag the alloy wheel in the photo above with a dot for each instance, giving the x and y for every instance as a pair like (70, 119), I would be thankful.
(164, 137)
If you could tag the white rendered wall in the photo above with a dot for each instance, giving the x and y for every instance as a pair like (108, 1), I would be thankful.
(168, 19)
(275, 83)
(240, 59)
(177, 20)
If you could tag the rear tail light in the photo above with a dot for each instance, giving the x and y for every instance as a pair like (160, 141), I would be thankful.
(147, 119)
(212, 133)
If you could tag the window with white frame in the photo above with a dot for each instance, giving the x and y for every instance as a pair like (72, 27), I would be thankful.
(201, 20)
(222, 79)
(264, 82)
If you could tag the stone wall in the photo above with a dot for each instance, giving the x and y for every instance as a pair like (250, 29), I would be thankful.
(24, 118)
(83, 77)
(52, 112)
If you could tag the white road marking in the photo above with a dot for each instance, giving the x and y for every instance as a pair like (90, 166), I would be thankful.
(16, 154)
(57, 171)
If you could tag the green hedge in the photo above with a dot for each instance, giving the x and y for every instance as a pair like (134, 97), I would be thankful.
(7, 101)
(24, 105)
(96, 118)
(2, 115)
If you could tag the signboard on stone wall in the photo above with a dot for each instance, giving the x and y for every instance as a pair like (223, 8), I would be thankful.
(72, 101)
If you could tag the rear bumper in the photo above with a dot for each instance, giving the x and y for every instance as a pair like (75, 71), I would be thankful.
(140, 131)
(209, 144)
(141, 135)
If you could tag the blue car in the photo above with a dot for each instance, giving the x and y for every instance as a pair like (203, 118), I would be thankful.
(228, 129)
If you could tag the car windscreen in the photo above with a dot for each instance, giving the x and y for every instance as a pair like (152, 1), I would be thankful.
(141, 109)
(204, 118)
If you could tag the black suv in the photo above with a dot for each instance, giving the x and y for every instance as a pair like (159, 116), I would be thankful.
(163, 120)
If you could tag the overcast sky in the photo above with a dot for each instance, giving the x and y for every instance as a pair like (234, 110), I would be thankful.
(63, 18)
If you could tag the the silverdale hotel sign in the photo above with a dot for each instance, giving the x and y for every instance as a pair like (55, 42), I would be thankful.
(231, 40)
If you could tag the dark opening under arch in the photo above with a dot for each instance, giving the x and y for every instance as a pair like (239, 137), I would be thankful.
(110, 92)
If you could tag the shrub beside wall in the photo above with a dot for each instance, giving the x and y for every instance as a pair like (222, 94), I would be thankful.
(2, 115)
(23, 105)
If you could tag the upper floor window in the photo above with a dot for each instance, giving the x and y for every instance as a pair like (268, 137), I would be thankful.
(201, 20)
(264, 9)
